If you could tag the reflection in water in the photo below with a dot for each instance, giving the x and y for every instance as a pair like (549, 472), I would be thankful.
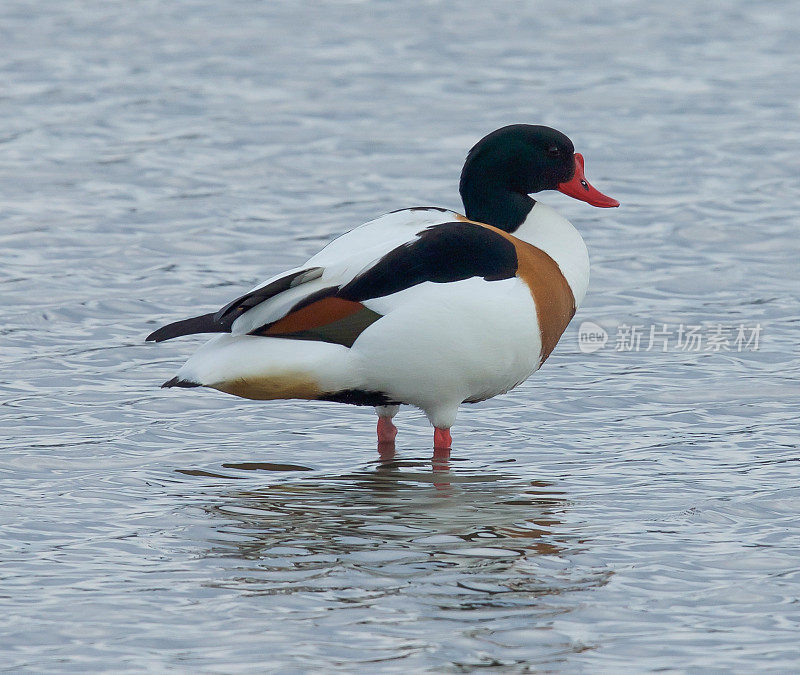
(409, 537)
(405, 559)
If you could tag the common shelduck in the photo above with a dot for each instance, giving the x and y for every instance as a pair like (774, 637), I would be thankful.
(422, 306)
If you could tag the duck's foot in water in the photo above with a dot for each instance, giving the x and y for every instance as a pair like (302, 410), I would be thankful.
(440, 463)
(441, 455)
(387, 431)
(386, 451)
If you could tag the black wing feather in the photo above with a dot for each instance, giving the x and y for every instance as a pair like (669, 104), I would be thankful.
(233, 310)
(442, 254)
(222, 320)
(197, 324)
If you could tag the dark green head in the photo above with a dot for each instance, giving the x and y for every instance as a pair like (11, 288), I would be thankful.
(518, 160)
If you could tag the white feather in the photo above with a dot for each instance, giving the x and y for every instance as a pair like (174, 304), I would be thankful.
(343, 259)
(546, 229)
(436, 346)
(240, 357)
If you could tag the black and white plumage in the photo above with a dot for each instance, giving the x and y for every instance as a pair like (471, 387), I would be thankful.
(422, 306)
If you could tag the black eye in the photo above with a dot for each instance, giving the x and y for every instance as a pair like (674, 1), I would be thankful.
(553, 151)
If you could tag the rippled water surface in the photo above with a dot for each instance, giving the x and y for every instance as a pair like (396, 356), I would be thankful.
(623, 508)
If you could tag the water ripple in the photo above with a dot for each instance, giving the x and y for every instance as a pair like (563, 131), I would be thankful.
(623, 508)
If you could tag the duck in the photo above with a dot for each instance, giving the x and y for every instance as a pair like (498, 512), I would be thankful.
(423, 306)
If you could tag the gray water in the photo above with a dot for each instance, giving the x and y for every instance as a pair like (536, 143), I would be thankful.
(625, 508)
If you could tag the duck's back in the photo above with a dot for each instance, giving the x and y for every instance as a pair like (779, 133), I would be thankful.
(420, 306)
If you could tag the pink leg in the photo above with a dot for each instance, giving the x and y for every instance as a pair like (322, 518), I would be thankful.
(386, 451)
(442, 439)
(387, 431)
(441, 456)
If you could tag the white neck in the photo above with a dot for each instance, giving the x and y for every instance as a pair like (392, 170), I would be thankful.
(555, 235)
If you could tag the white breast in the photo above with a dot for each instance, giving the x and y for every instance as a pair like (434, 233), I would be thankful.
(555, 235)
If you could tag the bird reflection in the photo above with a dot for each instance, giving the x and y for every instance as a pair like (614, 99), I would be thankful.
(396, 502)
(404, 543)
(440, 461)
(386, 451)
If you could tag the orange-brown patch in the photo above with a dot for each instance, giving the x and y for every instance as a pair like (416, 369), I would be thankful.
(555, 303)
(319, 313)
(270, 387)
(552, 295)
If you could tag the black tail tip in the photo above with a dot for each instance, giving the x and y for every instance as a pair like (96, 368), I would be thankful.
(177, 382)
